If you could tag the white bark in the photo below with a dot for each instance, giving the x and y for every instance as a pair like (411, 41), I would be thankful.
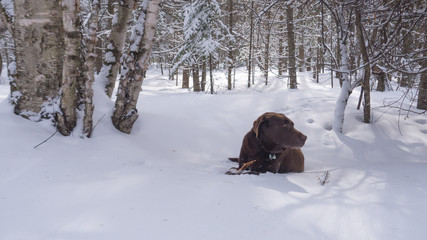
(89, 69)
(347, 87)
(38, 35)
(115, 44)
(67, 117)
(134, 68)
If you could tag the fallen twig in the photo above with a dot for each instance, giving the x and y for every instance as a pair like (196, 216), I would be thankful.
(98, 122)
(46, 139)
(241, 169)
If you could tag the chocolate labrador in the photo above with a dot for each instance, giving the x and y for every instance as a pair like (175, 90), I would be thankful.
(275, 145)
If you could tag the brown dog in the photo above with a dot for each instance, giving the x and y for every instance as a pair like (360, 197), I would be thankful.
(275, 145)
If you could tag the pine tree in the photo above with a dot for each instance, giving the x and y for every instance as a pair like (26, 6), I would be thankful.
(203, 33)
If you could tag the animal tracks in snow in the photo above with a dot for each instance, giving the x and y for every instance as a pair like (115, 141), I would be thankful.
(329, 140)
(310, 120)
(421, 121)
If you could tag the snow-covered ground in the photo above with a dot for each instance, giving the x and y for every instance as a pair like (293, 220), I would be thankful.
(166, 180)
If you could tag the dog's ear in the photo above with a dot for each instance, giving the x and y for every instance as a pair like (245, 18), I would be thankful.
(258, 123)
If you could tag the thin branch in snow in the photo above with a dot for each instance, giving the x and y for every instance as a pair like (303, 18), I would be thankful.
(47, 139)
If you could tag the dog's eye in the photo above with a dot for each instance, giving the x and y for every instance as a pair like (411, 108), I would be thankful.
(288, 124)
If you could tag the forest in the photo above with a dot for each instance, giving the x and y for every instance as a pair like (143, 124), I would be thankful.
(118, 118)
(362, 43)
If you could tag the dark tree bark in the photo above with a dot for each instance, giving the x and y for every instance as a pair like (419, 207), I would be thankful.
(281, 63)
(230, 47)
(203, 83)
(291, 46)
(251, 36)
(422, 88)
(367, 69)
(267, 46)
(186, 77)
(196, 80)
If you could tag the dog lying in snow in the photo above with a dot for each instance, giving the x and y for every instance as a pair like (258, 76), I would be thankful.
(274, 144)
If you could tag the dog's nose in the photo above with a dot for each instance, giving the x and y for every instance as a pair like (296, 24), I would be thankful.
(303, 138)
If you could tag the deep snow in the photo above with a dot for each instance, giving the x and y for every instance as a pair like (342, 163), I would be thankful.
(166, 179)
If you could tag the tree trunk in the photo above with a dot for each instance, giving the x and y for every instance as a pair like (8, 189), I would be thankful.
(251, 36)
(89, 69)
(281, 63)
(422, 88)
(347, 87)
(230, 44)
(267, 47)
(301, 56)
(186, 77)
(407, 80)
(366, 69)
(338, 57)
(381, 77)
(1, 63)
(203, 83)
(39, 52)
(211, 74)
(319, 59)
(135, 66)
(115, 43)
(196, 80)
(67, 117)
(291, 46)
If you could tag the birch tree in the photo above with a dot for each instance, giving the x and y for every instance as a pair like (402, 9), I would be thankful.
(67, 116)
(115, 43)
(89, 68)
(135, 64)
(39, 51)
(340, 13)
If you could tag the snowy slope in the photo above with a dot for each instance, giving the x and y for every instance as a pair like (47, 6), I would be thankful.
(166, 180)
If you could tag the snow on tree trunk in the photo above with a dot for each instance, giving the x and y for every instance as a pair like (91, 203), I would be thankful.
(135, 64)
(39, 51)
(67, 117)
(291, 46)
(347, 88)
(203, 33)
(116, 40)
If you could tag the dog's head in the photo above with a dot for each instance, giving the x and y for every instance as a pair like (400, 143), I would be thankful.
(276, 132)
